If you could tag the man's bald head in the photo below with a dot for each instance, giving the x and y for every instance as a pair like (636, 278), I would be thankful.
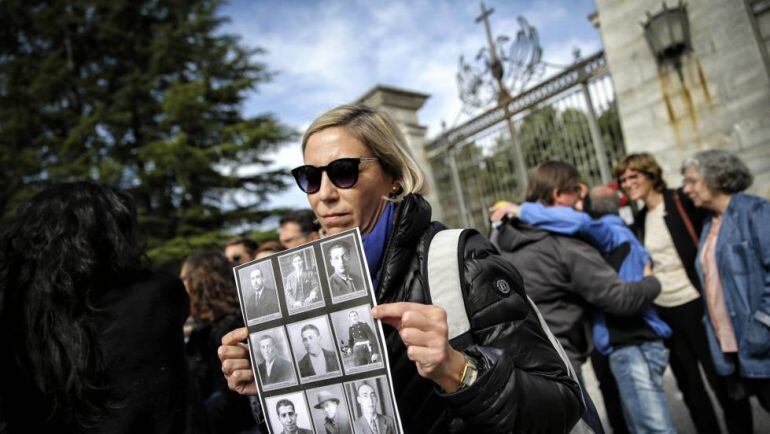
(604, 200)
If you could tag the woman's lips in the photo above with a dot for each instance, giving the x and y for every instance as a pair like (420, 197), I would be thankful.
(333, 218)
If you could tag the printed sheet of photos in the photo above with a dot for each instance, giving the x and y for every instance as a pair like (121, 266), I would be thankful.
(318, 355)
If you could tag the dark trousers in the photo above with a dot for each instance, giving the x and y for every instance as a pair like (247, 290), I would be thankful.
(610, 394)
(689, 348)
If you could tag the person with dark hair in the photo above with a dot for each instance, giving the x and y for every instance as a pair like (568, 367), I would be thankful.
(734, 267)
(240, 250)
(215, 311)
(92, 340)
(265, 299)
(297, 228)
(301, 284)
(630, 346)
(669, 226)
(358, 172)
(274, 368)
(343, 280)
(269, 248)
(287, 415)
(317, 360)
(565, 275)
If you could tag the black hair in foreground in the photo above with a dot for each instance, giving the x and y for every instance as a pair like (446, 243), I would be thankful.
(59, 252)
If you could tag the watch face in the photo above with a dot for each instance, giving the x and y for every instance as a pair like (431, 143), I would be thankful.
(470, 372)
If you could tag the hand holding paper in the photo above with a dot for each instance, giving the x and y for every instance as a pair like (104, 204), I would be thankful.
(423, 328)
(234, 354)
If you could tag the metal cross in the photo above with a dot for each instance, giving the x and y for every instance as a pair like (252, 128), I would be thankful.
(496, 67)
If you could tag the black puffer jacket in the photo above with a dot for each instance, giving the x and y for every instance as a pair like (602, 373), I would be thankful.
(567, 278)
(525, 386)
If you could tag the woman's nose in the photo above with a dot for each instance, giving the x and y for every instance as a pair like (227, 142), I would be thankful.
(328, 190)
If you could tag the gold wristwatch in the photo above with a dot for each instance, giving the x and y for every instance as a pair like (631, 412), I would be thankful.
(470, 372)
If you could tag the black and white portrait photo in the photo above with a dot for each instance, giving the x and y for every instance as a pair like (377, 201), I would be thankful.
(258, 292)
(329, 410)
(357, 339)
(288, 414)
(313, 345)
(371, 406)
(301, 283)
(343, 265)
(273, 358)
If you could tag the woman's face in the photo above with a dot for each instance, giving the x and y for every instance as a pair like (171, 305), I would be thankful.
(185, 277)
(697, 190)
(637, 185)
(339, 209)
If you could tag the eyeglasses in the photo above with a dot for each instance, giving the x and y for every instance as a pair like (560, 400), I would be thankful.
(343, 173)
(629, 178)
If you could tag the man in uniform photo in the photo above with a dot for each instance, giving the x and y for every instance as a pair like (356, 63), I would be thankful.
(274, 368)
(362, 341)
(317, 360)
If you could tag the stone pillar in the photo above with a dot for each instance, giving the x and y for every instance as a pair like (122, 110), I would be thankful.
(402, 105)
(722, 100)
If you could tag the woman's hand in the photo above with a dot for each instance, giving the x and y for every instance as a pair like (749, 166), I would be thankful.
(234, 354)
(423, 328)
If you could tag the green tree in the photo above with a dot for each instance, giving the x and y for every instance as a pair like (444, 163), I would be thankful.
(142, 94)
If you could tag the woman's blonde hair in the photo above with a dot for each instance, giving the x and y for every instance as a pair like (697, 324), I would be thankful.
(378, 131)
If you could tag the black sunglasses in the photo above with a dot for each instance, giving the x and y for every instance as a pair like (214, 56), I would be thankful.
(343, 173)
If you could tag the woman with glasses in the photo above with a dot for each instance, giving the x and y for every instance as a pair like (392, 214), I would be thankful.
(733, 263)
(358, 172)
(669, 226)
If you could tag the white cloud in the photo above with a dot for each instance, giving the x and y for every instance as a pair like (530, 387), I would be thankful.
(331, 52)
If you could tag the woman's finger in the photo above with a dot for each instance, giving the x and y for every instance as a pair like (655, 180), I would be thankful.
(232, 365)
(238, 378)
(424, 357)
(235, 336)
(397, 310)
(227, 352)
(416, 337)
(415, 319)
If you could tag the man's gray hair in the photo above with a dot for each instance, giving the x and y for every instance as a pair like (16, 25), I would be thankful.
(721, 170)
(604, 205)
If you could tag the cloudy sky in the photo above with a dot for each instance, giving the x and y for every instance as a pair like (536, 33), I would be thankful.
(331, 52)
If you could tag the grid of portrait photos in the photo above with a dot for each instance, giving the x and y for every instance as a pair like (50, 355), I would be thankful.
(318, 355)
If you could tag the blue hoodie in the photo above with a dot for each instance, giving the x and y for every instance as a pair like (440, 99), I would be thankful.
(606, 234)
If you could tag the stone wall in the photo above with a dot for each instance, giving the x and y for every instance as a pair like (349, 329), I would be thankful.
(721, 101)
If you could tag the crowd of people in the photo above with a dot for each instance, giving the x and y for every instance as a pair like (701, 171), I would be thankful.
(96, 342)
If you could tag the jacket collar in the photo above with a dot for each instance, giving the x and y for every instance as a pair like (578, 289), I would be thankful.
(729, 225)
(412, 218)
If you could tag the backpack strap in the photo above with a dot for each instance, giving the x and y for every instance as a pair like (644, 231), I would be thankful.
(444, 284)
(445, 289)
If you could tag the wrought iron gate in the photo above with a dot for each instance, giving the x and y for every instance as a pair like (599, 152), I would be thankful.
(571, 117)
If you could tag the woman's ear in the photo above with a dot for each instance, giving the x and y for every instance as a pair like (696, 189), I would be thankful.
(395, 189)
